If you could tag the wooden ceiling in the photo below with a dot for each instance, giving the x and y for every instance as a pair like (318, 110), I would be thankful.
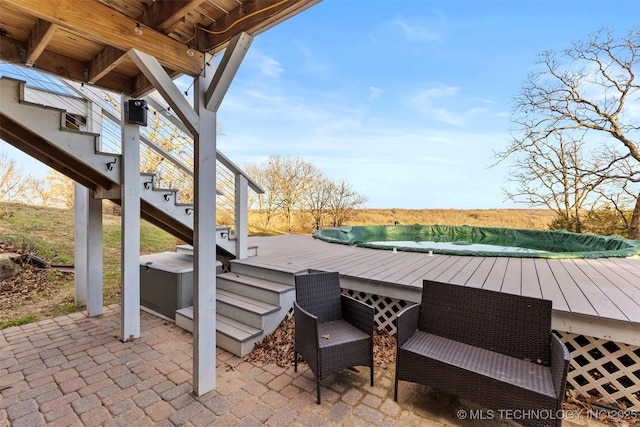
(88, 40)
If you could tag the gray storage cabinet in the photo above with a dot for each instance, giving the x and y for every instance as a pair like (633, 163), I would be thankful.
(166, 283)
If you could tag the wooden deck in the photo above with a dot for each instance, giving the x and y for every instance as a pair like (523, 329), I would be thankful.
(599, 297)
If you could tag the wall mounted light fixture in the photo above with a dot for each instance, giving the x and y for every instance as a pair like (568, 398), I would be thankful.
(138, 29)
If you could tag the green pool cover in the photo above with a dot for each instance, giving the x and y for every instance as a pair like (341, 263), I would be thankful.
(481, 241)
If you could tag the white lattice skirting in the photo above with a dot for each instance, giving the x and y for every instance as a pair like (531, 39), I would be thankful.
(608, 371)
(604, 369)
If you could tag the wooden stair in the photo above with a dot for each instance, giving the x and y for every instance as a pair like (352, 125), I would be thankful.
(248, 308)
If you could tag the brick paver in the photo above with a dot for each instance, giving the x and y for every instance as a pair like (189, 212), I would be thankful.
(71, 370)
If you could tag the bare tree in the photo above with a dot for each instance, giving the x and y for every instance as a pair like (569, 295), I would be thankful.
(343, 202)
(15, 184)
(551, 172)
(60, 191)
(290, 179)
(586, 91)
(319, 199)
(267, 203)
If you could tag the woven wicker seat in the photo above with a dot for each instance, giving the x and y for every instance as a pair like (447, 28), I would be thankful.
(332, 331)
(493, 348)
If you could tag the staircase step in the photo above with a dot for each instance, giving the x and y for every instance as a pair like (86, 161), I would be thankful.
(242, 303)
(253, 287)
(224, 325)
(231, 335)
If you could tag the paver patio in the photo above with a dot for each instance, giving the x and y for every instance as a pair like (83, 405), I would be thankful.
(73, 370)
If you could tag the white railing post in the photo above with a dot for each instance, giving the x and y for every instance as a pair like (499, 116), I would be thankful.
(241, 216)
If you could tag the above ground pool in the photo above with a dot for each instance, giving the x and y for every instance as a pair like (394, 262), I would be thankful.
(481, 241)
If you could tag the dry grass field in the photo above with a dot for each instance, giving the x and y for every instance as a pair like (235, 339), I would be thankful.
(511, 218)
(538, 219)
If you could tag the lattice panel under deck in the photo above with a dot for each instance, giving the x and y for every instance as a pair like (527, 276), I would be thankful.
(386, 308)
(604, 369)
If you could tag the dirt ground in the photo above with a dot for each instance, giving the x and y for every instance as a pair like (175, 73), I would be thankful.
(35, 293)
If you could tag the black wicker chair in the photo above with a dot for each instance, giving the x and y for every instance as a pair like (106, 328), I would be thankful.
(332, 331)
(493, 348)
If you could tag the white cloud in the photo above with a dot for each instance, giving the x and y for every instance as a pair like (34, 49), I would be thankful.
(445, 104)
(266, 65)
(374, 93)
(417, 32)
(427, 102)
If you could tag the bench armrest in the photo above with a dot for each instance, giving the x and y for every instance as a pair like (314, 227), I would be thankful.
(559, 365)
(358, 313)
(407, 323)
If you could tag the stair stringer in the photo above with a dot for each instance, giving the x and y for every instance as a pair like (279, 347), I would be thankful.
(74, 153)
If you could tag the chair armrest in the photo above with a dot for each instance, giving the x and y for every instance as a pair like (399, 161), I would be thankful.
(306, 329)
(358, 313)
(407, 323)
(559, 365)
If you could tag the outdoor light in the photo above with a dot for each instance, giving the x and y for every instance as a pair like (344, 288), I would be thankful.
(190, 51)
(138, 30)
(136, 111)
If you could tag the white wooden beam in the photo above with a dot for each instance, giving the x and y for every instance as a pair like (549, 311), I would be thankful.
(241, 217)
(130, 250)
(153, 71)
(231, 60)
(94, 257)
(88, 228)
(88, 250)
(204, 244)
(81, 217)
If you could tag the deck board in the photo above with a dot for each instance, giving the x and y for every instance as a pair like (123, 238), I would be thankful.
(530, 280)
(596, 297)
(597, 288)
(613, 289)
(450, 273)
(479, 276)
(512, 283)
(549, 285)
(576, 299)
(462, 276)
(496, 275)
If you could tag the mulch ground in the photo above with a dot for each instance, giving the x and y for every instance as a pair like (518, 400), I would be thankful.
(278, 347)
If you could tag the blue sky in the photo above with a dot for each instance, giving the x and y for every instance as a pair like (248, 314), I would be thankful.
(406, 100)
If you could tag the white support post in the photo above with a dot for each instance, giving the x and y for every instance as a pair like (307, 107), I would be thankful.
(204, 243)
(81, 218)
(130, 251)
(241, 216)
(94, 257)
(88, 232)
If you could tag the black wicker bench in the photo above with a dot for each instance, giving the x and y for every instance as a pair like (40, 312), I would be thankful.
(492, 348)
